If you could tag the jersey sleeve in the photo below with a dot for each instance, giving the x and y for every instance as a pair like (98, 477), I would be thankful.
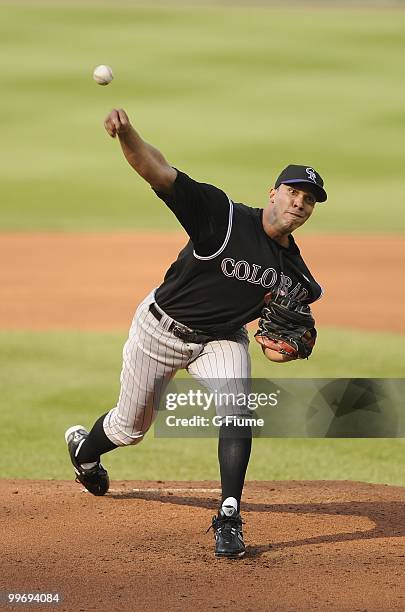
(202, 209)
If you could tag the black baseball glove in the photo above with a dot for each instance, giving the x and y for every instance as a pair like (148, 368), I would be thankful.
(286, 326)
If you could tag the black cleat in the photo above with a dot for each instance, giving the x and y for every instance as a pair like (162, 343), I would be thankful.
(95, 479)
(228, 534)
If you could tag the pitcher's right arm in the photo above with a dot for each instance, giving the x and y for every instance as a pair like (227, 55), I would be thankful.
(145, 159)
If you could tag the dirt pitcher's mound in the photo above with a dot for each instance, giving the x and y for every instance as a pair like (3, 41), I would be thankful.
(311, 546)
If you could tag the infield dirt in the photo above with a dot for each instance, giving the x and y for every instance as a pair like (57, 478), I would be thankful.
(95, 281)
(311, 546)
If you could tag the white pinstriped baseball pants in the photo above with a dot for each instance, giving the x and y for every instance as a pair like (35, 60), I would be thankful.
(151, 357)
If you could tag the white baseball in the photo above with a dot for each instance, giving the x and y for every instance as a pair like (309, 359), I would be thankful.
(103, 74)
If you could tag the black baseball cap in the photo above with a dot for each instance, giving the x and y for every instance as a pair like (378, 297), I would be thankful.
(303, 174)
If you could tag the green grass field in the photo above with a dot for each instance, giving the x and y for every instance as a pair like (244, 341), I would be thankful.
(49, 381)
(230, 95)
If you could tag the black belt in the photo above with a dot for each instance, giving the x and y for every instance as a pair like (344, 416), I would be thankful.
(182, 331)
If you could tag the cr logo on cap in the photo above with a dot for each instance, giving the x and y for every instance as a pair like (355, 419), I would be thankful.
(311, 174)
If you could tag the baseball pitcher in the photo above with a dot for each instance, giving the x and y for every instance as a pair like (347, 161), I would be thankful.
(239, 264)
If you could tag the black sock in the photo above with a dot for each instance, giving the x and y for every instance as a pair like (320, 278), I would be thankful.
(234, 446)
(96, 444)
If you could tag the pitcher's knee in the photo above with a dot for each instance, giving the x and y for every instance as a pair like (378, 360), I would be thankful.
(120, 432)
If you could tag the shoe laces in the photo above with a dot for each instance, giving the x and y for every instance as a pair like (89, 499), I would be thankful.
(225, 523)
(92, 472)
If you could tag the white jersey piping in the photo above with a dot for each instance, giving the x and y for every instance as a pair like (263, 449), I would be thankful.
(228, 234)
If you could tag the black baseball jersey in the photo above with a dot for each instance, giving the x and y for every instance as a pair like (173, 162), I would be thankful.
(220, 278)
